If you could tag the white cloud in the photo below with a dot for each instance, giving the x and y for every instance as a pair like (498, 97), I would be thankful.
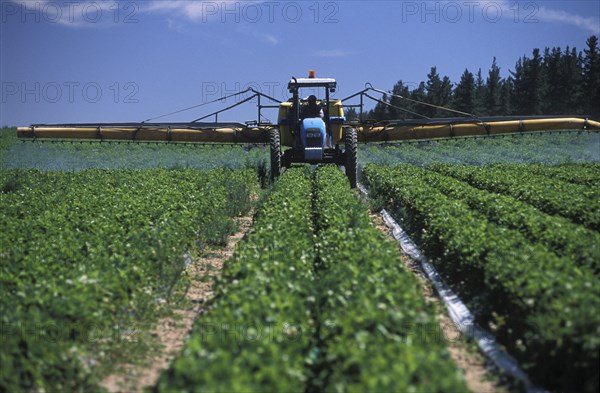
(174, 25)
(194, 10)
(508, 10)
(208, 11)
(269, 38)
(264, 37)
(200, 11)
(533, 12)
(591, 24)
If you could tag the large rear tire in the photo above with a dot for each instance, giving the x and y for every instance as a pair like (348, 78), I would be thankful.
(350, 140)
(275, 143)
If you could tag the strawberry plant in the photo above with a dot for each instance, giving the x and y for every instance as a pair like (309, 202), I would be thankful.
(87, 257)
(314, 263)
(533, 298)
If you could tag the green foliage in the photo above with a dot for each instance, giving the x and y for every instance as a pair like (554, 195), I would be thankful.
(314, 267)
(529, 84)
(560, 235)
(8, 137)
(74, 155)
(591, 77)
(439, 92)
(464, 93)
(543, 307)
(376, 329)
(493, 91)
(257, 336)
(87, 256)
(579, 203)
(546, 148)
(557, 82)
(587, 174)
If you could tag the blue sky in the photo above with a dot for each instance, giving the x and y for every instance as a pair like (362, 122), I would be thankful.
(109, 61)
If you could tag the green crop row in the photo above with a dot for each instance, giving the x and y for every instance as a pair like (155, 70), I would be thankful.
(374, 310)
(79, 155)
(528, 148)
(87, 256)
(583, 173)
(578, 203)
(560, 235)
(257, 335)
(314, 264)
(543, 308)
(566, 175)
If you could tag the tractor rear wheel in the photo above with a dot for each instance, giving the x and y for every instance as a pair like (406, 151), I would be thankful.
(350, 140)
(275, 143)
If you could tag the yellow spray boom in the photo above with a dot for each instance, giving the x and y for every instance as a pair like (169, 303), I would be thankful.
(313, 129)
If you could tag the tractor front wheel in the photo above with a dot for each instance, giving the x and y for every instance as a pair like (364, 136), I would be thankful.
(350, 140)
(275, 143)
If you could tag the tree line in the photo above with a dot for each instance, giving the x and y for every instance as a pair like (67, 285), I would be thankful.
(555, 82)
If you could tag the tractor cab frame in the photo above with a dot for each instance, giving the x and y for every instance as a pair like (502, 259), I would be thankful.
(312, 140)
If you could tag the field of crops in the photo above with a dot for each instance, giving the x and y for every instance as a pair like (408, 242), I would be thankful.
(315, 297)
(554, 148)
(332, 307)
(521, 245)
(87, 256)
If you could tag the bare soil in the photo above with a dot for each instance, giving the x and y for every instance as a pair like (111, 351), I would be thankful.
(172, 332)
(472, 364)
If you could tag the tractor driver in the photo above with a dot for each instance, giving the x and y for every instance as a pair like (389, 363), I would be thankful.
(311, 109)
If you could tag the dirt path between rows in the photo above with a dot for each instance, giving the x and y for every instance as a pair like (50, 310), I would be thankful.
(170, 332)
(472, 364)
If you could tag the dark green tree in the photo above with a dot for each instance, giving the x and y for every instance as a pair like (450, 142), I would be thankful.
(493, 87)
(439, 92)
(571, 77)
(528, 85)
(480, 93)
(380, 111)
(464, 93)
(551, 102)
(419, 95)
(591, 78)
(399, 90)
(350, 114)
(562, 76)
(507, 87)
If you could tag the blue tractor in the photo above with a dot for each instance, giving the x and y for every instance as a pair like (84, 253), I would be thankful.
(312, 136)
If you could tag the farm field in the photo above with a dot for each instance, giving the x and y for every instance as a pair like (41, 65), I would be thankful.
(88, 256)
(333, 308)
(522, 247)
(554, 148)
(95, 238)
